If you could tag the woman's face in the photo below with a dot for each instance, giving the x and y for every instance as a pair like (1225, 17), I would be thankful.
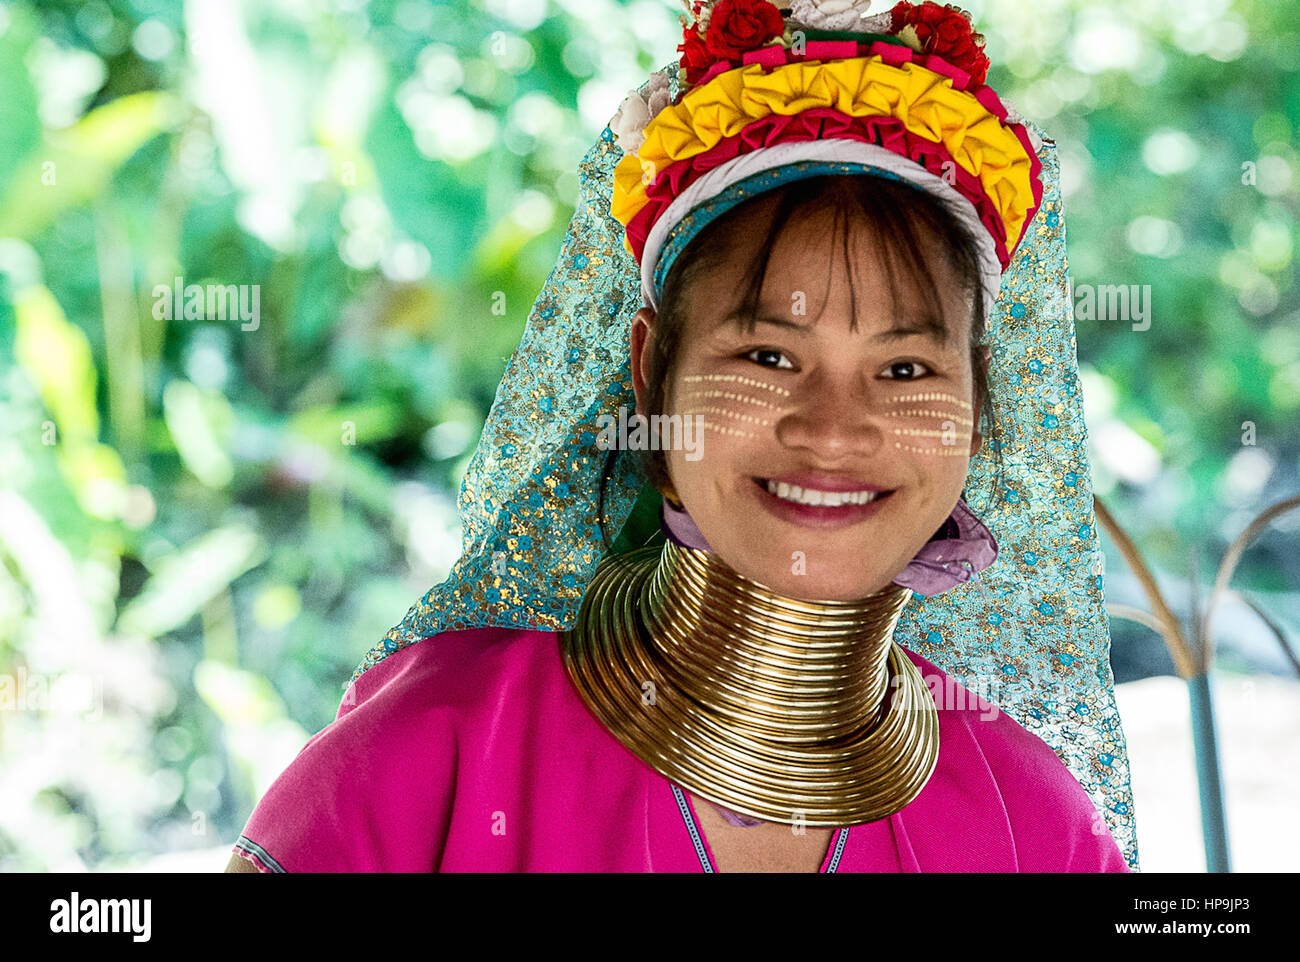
(803, 418)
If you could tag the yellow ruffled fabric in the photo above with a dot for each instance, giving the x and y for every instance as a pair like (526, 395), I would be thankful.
(923, 100)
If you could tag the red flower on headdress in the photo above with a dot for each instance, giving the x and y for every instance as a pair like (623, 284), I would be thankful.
(696, 59)
(945, 31)
(738, 26)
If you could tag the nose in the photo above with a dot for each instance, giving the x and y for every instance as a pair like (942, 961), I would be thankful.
(833, 417)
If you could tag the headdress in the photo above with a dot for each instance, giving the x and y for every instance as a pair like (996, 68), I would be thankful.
(775, 93)
(901, 94)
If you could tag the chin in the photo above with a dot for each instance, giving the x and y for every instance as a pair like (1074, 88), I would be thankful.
(811, 588)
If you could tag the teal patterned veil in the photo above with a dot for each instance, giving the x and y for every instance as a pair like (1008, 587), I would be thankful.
(1030, 633)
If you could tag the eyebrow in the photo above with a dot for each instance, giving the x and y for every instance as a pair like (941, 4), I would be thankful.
(926, 326)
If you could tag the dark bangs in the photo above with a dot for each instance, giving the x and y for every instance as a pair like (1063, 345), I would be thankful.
(884, 207)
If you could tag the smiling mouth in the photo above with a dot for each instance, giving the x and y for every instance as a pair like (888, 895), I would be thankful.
(810, 497)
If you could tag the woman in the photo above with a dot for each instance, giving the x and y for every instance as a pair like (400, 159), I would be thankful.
(810, 361)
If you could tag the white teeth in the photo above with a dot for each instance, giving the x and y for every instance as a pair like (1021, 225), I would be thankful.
(829, 499)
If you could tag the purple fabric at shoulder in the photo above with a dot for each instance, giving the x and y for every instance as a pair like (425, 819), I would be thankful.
(951, 556)
(958, 551)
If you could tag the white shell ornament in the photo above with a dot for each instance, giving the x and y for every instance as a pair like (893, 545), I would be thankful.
(837, 15)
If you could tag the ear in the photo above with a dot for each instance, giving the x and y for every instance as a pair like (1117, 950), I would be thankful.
(642, 338)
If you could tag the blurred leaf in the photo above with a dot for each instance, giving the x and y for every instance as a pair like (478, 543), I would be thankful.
(83, 158)
(97, 476)
(238, 697)
(365, 423)
(199, 421)
(187, 580)
(57, 357)
(47, 572)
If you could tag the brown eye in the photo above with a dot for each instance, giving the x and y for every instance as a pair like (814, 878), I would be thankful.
(909, 370)
(761, 355)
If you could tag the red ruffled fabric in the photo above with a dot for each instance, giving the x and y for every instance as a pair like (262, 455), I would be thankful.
(825, 123)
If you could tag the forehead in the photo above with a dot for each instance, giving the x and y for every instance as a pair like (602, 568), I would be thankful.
(825, 265)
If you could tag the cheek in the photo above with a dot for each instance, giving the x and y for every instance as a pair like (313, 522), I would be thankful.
(735, 406)
(930, 423)
(732, 415)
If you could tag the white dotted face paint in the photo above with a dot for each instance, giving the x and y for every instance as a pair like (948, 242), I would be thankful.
(738, 409)
(744, 402)
(737, 379)
(934, 422)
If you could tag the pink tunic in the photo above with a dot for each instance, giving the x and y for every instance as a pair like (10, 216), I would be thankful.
(472, 752)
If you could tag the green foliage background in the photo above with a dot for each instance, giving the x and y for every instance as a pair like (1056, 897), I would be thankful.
(203, 527)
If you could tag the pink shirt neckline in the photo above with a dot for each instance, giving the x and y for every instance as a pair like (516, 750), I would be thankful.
(834, 849)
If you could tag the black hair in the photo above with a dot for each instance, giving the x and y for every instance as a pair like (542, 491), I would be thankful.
(888, 208)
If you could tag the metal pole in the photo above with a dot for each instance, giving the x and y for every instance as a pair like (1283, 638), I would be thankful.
(1213, 822)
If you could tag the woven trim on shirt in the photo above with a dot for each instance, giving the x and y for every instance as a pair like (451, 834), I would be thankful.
(261, 854)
